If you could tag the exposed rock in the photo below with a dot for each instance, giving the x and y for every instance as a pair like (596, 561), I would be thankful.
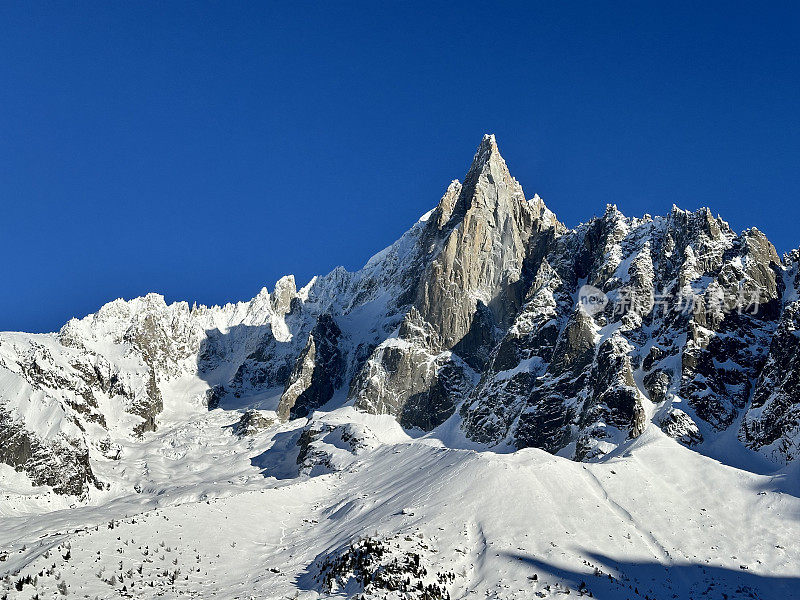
(479, 237)
(687, 276)
(657, 383)
(317, 373)
(71, 473)
(327, 447)
(679, 425)
(213, 396)
(251, 422)
(285, 291)
(772, 423)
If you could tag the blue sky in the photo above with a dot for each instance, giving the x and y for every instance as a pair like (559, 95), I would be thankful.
(202, 150)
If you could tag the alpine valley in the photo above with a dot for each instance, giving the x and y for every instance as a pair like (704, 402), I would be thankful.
(454, 420)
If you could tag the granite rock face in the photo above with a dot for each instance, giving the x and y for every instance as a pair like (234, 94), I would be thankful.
(772, 421)
(478, 244)
(670, 312)
(488, 314)
(317, 373)
(689, 311)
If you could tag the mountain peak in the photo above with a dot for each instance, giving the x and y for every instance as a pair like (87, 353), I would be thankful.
(487, 165)
(489, 140)
(487, 152)
(487, 172)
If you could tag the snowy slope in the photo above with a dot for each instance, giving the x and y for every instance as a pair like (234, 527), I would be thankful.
(661, 519)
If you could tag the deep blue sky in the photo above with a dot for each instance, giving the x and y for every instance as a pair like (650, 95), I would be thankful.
(203, 150)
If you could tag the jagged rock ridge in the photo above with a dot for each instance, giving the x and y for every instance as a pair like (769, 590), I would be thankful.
(476, 314)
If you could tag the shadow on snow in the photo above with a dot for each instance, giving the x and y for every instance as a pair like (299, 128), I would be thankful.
(655, 580)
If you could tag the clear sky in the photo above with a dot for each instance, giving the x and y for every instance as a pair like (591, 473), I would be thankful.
(202, 150)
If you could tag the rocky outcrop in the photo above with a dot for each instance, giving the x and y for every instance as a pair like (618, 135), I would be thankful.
(480, 240)
(473, 282)
(409, 377)
(324, 447)
(677, 424)
(282, 296)
(71, 473)
(317, 373)
(772, 421)
(688, 308)
(251, 422)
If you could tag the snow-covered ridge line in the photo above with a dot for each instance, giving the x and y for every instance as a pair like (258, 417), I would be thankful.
(470, 322)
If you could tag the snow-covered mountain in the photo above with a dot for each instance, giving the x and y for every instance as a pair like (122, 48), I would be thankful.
(410, 408)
